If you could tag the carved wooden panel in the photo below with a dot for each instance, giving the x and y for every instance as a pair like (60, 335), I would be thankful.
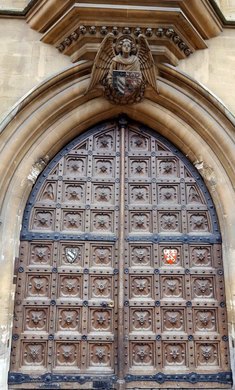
(120, 273)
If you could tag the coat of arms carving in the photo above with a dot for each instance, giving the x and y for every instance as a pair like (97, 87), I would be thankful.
(71, 254)
(124, 67)
(170, 256)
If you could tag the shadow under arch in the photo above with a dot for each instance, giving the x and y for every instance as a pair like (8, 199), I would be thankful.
(57, 111)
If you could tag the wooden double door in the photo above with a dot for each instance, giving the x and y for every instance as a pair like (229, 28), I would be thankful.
(120, 279)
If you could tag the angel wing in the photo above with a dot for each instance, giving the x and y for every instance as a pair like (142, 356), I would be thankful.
(102, 61)
(147, 65)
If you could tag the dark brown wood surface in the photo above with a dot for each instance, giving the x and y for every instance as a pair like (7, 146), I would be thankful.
(106, 298)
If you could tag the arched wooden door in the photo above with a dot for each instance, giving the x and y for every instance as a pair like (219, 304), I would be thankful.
(120, 281)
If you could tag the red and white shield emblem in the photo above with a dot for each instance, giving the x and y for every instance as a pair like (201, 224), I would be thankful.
(170, 256)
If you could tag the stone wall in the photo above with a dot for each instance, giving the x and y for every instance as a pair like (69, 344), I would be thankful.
(215, 67)
(227, 7)
(13, 4)
(24, 61)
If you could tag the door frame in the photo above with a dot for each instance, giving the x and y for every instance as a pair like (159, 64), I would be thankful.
(56, 111)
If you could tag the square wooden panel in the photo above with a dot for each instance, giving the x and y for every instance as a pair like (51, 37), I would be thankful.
(142, 354)
(140, 194)
(43, 219)
(174, 354)
(102, 222)
(36, 318)
(100, 356)
(140, 222)
(198, 221)
(138, 142)
(100, 320)
(75, 166)
(205, 319)
(105, 143)
(207, 354)
(103, 167)
(71, 254)
(167, 167)
(103, 194)
(139, 167)
(101, 287)
(142, 319)
(74, 193)
(67, 354)
(70, 286)
(38, 285)
(40, 253)
(173, 319)
(72, 220)
(33, 354)
(203, 287)
(169, 222)
(69, 319)
(101, 255)
(201, 256)
(168, 194)
(140, 255)
(172, 287)
(141, 286)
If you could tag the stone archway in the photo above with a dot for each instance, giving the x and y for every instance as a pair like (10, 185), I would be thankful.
(47, 119)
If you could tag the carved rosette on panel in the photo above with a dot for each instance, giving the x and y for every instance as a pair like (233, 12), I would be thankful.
(100, 320)
(41, 254)
(207, 354)
(141, 286)
(142, 354)
(100, 355)
(172, 286)
(142, 319)
(38, 286)
(33, 354)
(140, 255)
(102, 256)
(205, 320)
(67, 354)
(70, 286)
(174, 354)
(101, 287)
(69, 319)
(173, 320)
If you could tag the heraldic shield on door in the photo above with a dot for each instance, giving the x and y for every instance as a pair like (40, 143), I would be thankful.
(120, 280)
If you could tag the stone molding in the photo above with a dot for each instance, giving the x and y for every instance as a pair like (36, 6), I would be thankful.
(174, 28)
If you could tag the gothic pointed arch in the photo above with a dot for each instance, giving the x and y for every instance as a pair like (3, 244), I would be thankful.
(57, 111)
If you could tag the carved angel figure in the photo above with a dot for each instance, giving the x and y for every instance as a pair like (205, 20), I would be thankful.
(124, 69)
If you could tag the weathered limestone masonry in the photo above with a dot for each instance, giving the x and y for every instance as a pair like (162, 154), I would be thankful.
(195, 108)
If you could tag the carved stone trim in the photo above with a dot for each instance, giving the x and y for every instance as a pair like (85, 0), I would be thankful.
(180, 29)
(161, 33)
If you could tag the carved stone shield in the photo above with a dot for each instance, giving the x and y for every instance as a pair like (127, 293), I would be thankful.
(71, 254)
(126, 83)
(170, 256)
